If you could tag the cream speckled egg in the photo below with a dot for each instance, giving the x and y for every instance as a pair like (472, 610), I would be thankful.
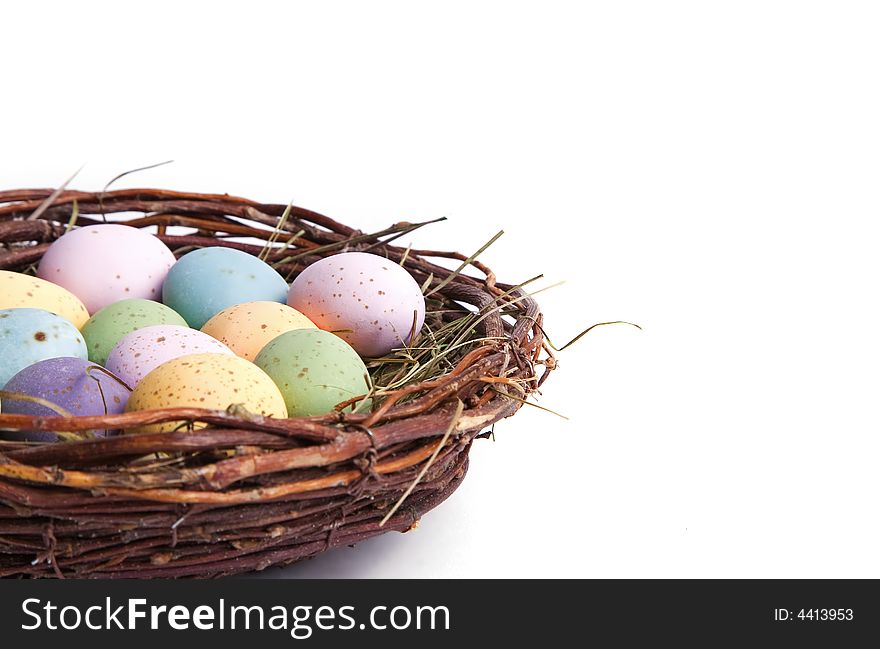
(102, 264)
(369, 301)
(247, 328)
(213, 381)
(18, 290)
(143, 350)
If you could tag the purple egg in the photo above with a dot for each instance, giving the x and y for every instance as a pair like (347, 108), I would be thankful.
(75, 385)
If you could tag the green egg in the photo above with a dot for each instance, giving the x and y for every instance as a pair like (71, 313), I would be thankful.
(315, 370)
(109, 325)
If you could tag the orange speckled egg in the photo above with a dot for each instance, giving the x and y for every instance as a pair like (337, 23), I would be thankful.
(213, 381)
(247, 328)
(18, 290)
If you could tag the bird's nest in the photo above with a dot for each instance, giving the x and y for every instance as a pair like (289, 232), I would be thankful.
(248, 492)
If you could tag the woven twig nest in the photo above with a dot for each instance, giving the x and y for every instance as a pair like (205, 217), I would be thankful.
(249, 492)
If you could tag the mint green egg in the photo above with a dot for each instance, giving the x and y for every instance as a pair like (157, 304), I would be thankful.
(115, 321)
(315, 371)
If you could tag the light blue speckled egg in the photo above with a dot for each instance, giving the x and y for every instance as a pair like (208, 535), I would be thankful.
(28, 336)
(205, 282)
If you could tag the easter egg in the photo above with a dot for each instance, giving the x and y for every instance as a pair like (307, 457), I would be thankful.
(102, 264)
(213, 381)
(370, 302)
(206, 281)
(75, 385)
(18, 290)
(140, 352)
(314, 370)
(28, 336)
(247, 328)
(112, 323)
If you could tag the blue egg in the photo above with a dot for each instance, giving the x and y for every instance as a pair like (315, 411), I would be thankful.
(205, 282)
(28, 336)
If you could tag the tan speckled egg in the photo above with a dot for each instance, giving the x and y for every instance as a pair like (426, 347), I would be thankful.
(18, 290)
(247, 328)
(214, 381)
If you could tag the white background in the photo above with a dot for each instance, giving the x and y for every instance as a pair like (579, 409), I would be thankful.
(706, 169)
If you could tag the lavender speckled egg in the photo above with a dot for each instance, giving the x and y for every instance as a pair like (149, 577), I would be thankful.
(102, 264)
(31, 335)
(142, 351)
(370, 302)
(75, 385)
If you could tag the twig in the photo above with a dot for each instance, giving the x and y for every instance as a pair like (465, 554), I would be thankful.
(464, 265)
(46, 204)
(581, 334)
(459, 408)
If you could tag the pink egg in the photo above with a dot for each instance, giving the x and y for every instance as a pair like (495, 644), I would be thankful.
(103, 264)
(142, 351)
(369, 301)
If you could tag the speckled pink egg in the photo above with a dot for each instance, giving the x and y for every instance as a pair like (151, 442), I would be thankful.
(102, 264)
(369, 301)
(142, 351)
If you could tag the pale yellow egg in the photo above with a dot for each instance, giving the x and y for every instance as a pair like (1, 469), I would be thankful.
(214, 381)
(20, 291)
(247, 328)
